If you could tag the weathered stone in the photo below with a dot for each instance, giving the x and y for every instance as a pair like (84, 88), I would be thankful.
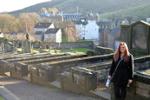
(79, 80)
(5, 66)
(42, 75)
(142, 90)
(20, 70)
(26, 46)
(137, 36)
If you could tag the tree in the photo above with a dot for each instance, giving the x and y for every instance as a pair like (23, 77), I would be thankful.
(43, 11)
(8, 23)
(53, 11)
(69, 32)
(28, 21)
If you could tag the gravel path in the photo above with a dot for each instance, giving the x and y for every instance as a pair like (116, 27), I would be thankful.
(27, 91)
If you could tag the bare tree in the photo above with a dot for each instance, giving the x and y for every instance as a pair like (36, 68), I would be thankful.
(8, 23)
(28, 21)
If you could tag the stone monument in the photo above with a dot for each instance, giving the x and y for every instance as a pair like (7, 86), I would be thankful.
(26, 44)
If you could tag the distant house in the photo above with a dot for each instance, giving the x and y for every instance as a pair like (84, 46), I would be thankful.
(53, 35)
(47, 32)
(71, 16)
(39, 35)
(1, 35)
(43, 27)
(87, 29)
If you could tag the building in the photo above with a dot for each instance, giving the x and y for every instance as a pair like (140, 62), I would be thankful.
(71, 16)
(43, 27)
(48, 32)
(62, 16)
(87, 29)
(53, 35)
(148, 20)
(1, 35)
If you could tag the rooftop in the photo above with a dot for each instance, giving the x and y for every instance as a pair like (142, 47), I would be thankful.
(42, 25)
(52, 31)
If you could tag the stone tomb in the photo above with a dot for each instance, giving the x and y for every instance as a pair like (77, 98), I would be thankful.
(79, 80)
(137, 37)
(143, 84)
(21, 67)
(12, 64)
(63, 65)
(42, 75)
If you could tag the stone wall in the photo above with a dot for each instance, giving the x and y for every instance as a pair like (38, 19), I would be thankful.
(70, 45)
(63, 45)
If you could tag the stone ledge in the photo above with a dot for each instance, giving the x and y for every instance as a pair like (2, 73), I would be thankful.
(142, 78)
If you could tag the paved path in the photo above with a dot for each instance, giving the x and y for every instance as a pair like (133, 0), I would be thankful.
(7, 94)
(27, 91)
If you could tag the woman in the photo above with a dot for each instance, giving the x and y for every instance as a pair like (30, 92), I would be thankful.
(121, 71)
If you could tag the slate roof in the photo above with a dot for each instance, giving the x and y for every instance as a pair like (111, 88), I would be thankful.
(38, 32)
(52, 31)
(42, 25)
(141, 21)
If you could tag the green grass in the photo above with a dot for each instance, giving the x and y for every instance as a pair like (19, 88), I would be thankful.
(85, 6)
(141, 11)
(58, 51)
(1, 98)
(84, 50)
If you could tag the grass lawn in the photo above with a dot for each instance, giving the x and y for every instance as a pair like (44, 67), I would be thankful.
(1, 98)
(58, 51)
(80, 50)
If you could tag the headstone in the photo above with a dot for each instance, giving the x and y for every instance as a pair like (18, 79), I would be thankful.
(26, 45)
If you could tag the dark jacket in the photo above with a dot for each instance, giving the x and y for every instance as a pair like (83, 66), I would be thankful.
(124, 71)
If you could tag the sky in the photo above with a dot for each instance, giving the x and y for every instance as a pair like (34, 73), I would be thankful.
(11, 5)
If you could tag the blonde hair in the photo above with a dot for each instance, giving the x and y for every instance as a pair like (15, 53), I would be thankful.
(117, 52)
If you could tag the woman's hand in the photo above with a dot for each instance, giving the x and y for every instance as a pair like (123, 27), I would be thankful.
(129, 82)
(109, 77)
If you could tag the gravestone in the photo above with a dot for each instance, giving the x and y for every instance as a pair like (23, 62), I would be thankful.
(26, 45)
(137, 37)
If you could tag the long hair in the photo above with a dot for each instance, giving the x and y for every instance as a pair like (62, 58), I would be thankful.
(118, 53)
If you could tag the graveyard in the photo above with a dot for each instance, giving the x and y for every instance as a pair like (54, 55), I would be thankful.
(79, 67)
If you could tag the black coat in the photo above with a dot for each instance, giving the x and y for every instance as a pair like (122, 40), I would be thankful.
(124, 71)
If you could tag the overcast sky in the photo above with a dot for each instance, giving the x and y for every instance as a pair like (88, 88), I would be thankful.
(10, 5)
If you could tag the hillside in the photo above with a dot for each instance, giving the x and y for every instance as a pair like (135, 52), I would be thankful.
(101, 6)
(141, 11)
